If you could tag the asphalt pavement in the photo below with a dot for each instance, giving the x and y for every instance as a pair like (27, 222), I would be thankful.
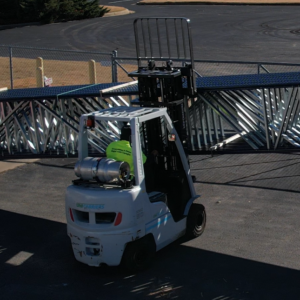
(249, 250)
(220, 32)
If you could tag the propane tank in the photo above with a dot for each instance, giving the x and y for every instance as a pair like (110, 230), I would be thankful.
(105, 170)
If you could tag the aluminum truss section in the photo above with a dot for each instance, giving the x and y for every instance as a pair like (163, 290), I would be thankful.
(50, 127)
(266, 118)
(117, 100)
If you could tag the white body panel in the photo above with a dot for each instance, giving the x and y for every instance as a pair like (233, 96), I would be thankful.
(160, 223)
(139, 217)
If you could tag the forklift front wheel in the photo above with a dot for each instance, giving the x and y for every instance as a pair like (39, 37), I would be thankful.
(196, 220)
(138, 255)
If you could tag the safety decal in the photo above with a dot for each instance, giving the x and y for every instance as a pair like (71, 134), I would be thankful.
(162, 220)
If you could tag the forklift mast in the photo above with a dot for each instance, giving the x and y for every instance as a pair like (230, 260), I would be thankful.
(165, 79)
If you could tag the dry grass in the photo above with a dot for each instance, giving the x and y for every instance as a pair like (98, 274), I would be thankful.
(4, 74)
(114, 9)
(62, 72)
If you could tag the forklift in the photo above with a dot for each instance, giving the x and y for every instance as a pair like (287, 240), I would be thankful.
(120, 216)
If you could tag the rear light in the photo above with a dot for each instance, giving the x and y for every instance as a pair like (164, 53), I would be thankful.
(118, 219)
(71, 214)
(90, 122)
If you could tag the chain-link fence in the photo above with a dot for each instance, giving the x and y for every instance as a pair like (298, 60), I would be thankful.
(211, 68)
(24, 67)
(125, 65)
(203, 68)
(223, 68)
(21, 67)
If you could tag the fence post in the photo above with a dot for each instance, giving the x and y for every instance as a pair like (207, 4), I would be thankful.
(11, 68)
(114, 68)
(92, 72)
(39, 72)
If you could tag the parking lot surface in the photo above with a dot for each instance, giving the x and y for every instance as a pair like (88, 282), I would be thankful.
(249, 250)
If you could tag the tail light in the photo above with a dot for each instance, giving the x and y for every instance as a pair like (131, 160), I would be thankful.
(118, 219)
(90, 122)
(71, 214)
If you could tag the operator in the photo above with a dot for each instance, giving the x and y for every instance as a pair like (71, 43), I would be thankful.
(121, 150)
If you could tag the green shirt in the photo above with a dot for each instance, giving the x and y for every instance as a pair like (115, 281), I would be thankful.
(121, 151)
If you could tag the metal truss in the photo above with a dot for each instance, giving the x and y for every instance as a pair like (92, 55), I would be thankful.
(50, 126)
(266, 118)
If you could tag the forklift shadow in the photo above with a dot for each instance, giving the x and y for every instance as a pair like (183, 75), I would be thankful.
(37, 262)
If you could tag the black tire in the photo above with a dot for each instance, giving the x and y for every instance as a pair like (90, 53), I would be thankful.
(139, 254)
(196, 220)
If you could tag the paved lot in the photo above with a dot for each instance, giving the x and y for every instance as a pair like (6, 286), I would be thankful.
(220, 32)
(250, 249)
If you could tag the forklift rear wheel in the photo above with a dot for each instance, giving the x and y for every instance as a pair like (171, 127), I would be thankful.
(196, 220)
(138, 255)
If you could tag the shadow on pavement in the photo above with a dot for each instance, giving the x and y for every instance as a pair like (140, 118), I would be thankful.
(178, 272)
(255, 186)
(275, 171)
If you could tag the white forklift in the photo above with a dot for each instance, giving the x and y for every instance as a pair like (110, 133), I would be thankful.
(114, 216)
